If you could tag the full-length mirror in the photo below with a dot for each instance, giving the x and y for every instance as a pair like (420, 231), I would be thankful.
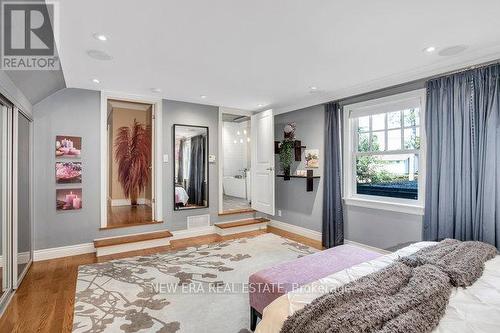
(190, 167)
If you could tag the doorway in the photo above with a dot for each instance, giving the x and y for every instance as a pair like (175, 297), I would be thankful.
(130, 172)
(236, 163)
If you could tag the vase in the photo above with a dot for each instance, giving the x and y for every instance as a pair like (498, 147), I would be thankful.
(287, 173)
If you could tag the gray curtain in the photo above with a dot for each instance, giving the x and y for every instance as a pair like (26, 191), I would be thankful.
(196, 188)
(463, 156)
(333, 220)
(180, 162)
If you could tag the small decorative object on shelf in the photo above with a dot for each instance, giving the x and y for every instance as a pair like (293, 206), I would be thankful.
(302, 173)
(289, 131)
(312, 158)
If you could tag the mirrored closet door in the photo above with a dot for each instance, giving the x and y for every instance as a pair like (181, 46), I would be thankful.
(23, 218)
(5, 203)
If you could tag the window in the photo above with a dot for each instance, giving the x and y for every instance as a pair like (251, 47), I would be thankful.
(385, 156)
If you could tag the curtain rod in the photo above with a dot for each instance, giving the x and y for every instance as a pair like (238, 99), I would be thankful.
(341, 101)
(465, 69)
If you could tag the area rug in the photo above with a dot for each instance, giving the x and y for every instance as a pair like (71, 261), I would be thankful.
(199, 289)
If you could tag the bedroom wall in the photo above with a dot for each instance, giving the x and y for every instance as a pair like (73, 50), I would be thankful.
(381, 228)
(298, 207)
(375, 227)
(77, 112)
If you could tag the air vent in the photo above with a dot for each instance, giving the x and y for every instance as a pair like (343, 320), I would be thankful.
(198, 221)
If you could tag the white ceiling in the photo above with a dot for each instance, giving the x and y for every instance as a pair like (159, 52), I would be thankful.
(244, 53)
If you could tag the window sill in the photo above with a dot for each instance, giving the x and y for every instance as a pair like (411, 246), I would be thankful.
(385, 205)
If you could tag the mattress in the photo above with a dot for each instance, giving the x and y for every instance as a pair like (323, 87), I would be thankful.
(475, 309)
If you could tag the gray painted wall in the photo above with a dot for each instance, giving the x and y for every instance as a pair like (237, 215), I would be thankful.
(77, 112)
(298, 207)
(381, 228)
(200, 115)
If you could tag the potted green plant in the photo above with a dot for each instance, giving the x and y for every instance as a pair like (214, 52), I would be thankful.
(286, 156)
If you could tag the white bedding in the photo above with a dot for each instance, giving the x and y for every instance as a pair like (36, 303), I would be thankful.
(472, 310)
(181, 195)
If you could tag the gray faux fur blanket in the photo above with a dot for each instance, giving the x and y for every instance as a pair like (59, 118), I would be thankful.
(409, 296)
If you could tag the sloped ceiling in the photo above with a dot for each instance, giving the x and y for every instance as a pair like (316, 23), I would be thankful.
(36, 85)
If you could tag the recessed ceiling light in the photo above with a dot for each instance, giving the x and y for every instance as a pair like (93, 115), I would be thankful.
(314, 88)
(100, 37)
(430, 49)
(156, 90)
(203, 96)
(96, 81)
(99, 55)
(260, 105)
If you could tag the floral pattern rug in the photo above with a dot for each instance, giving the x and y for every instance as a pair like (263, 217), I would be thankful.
(199, 289)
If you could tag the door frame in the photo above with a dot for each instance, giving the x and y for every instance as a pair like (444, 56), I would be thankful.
(157, 160)
(6, 154)
(220, 147)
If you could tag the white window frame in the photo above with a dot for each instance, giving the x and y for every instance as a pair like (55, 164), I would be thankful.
(382, 105)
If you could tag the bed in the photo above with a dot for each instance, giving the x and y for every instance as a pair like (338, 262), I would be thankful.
(472, 310)
(181, 196)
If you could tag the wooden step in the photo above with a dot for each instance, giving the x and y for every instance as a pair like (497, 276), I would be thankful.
(112, 245)
(237, 211)
(229, 228)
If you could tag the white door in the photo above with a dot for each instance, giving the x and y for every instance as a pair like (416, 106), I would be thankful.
(263, 162)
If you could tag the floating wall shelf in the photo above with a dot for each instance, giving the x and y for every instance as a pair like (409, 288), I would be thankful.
(297, 147)
(309, 179)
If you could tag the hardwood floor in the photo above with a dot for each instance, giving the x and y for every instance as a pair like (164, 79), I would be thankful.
(44, 302)
(119, 216)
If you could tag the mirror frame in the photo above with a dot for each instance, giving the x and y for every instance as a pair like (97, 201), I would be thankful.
(174, 161)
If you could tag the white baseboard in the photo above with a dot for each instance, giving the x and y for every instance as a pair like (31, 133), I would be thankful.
(63, 251)
(72, 250)
(127, 202)
(316, 235)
